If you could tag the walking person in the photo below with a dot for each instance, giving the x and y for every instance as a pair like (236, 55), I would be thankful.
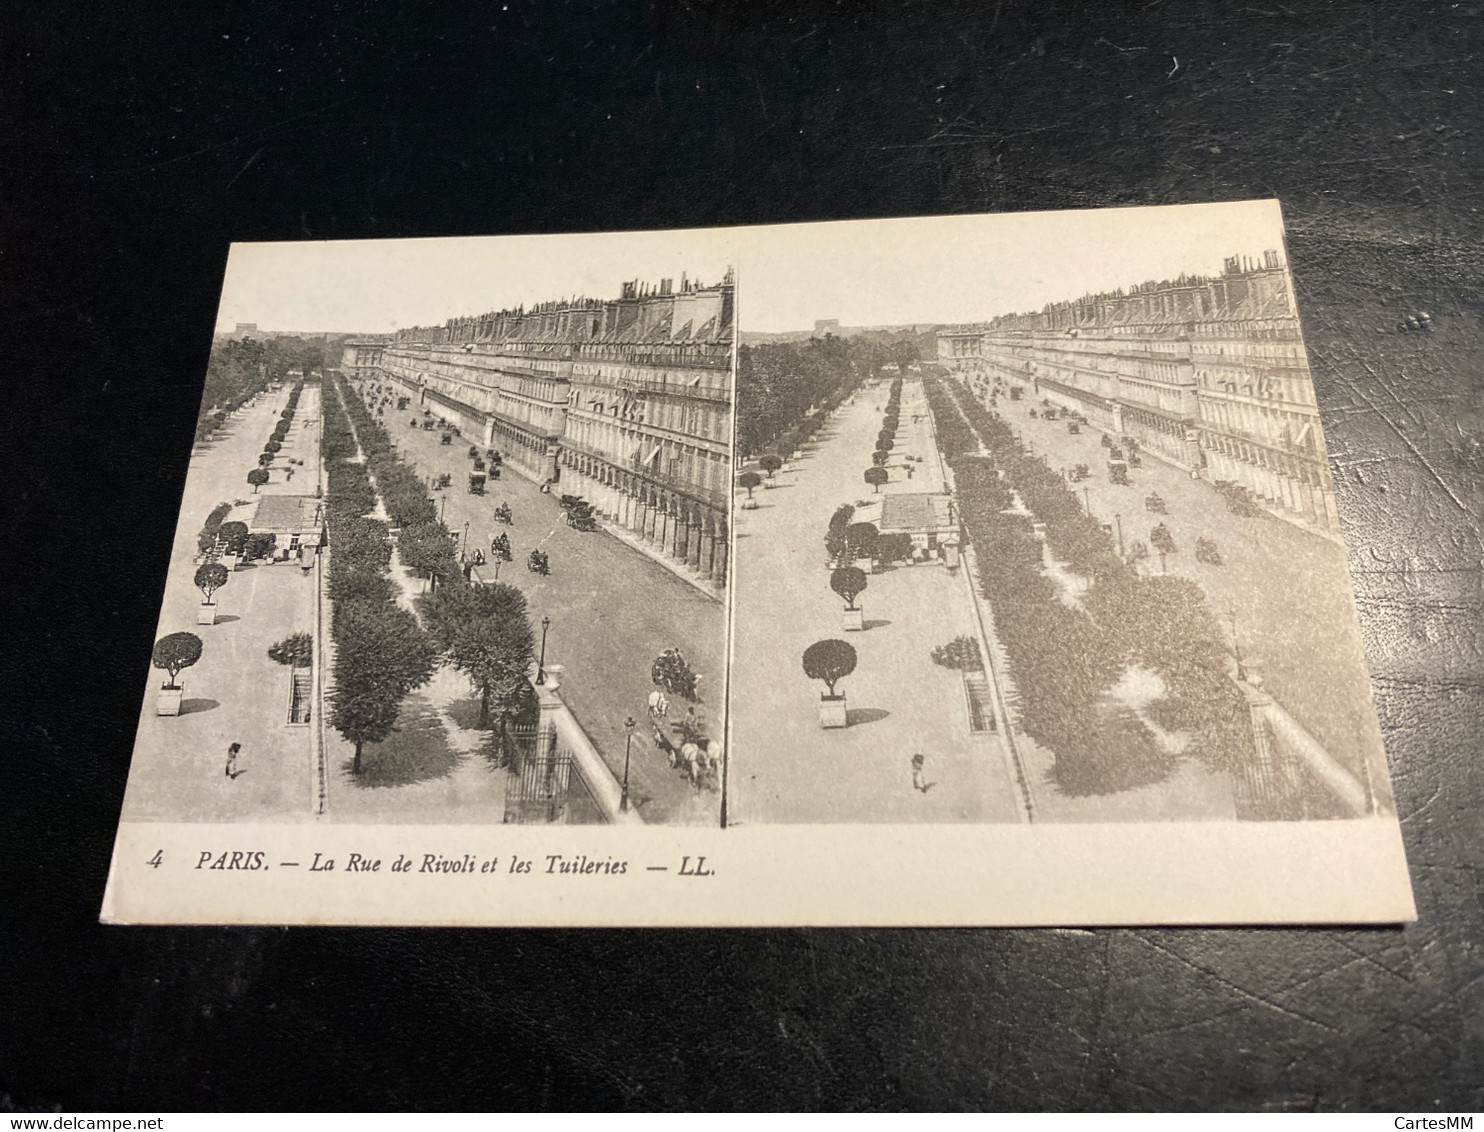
(919, 781)
(232, 751)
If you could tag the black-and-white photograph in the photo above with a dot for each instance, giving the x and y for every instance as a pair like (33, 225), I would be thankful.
(998, 532)
(454, 540)
(1035, 524)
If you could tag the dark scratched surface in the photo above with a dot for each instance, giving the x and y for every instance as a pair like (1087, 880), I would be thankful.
(135, 144)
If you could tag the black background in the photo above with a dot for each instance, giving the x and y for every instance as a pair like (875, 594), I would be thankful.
(136, 143)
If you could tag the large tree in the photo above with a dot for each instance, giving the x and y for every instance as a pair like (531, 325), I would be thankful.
(861, 539)
(835, 542)
(233, 536)
(381, 654)
(427, 549)
(486, 634)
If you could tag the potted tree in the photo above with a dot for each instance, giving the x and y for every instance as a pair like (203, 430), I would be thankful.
(749, 480)
(174, 654)
(876, 476)
(830, 661)
(769, 462)
(209, 578)
(257, 477)
(850, 582)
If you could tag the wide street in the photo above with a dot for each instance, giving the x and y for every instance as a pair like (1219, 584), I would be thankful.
(1288, 588)
(785, 766)
(235, 693)
(612, 610)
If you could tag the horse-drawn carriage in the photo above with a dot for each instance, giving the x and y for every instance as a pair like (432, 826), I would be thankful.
(579, 513)
(538, 563)
(685, 745)
(476, 483)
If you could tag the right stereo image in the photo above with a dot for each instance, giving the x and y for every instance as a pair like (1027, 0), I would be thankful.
(1033, 523)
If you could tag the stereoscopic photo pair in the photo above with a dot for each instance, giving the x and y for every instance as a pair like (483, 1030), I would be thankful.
(907, 571)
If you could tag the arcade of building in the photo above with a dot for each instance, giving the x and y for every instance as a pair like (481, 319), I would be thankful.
(1207, 372)
(626, 402)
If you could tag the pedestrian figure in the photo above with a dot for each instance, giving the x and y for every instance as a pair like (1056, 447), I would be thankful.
(232, 770)
(918, 781)
(288, 475)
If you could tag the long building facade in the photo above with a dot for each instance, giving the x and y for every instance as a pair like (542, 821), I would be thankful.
(1209, 372)
(626, 402)
(361, 357)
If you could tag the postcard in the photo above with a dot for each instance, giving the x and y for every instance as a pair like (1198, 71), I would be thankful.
(972, 570)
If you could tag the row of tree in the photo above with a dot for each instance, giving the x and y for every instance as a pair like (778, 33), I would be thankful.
(886, 439)
(1065, 658)
(241, 368)
(424, 544)
(785, 390)
(383, 652)
(259, 476)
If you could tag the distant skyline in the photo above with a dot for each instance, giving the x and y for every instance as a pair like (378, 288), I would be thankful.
(378, 286)
(946, 269)
(953, 269)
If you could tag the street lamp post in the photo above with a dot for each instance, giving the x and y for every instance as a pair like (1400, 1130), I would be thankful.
(1087, 501)
(541, 664)
(628, 743)
(1237, 645)
(1118, 521)
(442, 503)
(464, 547)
